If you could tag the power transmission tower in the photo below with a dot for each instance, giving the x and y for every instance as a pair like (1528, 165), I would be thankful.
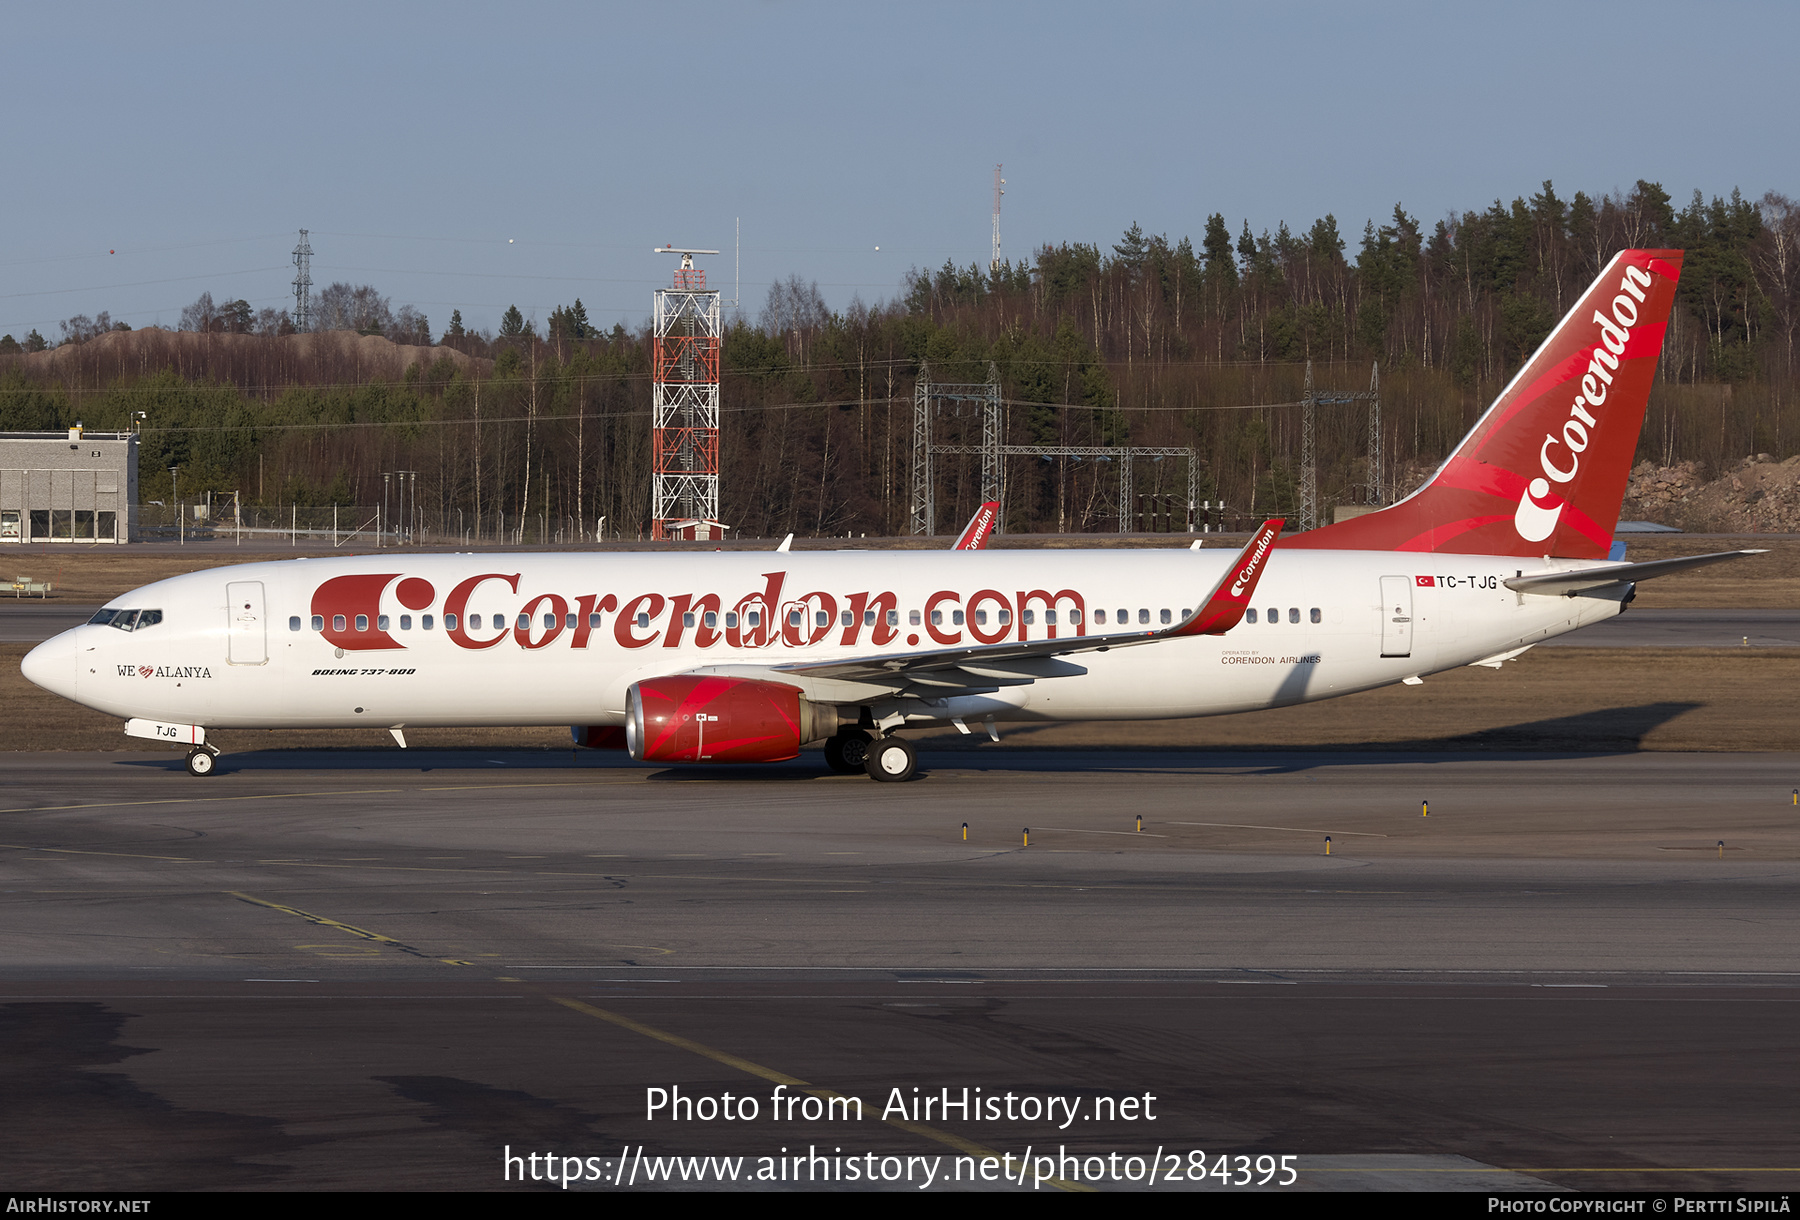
(1309, 471)
(685, 406)
(929, 398)
(303, 284)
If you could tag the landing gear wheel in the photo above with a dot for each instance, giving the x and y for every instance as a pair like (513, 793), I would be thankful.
(847, 753)
(201, 762)
(892, 760)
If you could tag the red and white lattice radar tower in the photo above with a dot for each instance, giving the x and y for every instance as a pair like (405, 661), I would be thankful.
(685, 387)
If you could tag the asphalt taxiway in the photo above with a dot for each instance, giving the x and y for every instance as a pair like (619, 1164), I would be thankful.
(321, 969)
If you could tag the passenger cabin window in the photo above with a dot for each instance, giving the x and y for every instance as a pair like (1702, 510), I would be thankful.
(1274, 615)
(318, 622)
(1100, 616)
(406, 622)
(1315, 615)
(956, 617)
(1166, 617)
(337, 622)
(912, 618)
(1050, 617)
(1293, 614)
(425, 622)
(1250, 615)
(1144, 618)
(687, 619)
(847, 619)
(362, 622)
(1029, 617)
(1074, 616)
(643, 619)
(821, 618)
(381, 622)
(449, 622)
(730, 618)
(893, 618)
(710, 619)
(1005, 617)
(294, 623)
(868, 618)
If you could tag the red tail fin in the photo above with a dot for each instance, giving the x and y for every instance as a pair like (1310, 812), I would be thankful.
(1544, 471)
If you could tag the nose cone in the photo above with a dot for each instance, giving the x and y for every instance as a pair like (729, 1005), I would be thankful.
(52, 665)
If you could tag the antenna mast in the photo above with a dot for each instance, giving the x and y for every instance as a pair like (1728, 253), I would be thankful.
(685, 405)
(999, 182)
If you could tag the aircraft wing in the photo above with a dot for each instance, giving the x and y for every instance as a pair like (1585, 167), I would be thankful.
(983, 668)
(1572, 582)
(981, 526)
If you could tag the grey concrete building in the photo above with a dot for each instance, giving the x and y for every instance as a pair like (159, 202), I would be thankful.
(68, 487)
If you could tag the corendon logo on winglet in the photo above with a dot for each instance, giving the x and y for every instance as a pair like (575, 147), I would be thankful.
(1559, 457)
(1247, 574)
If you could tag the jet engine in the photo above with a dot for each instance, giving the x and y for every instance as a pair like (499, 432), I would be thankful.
(713, 718)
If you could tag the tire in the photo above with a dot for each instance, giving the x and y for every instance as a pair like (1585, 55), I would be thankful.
(201, 762)
(892, 760)
(848, 753)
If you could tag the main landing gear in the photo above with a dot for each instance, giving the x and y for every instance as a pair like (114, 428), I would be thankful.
(892, 760)
(201, 760)
(889, 759)
(848, 752)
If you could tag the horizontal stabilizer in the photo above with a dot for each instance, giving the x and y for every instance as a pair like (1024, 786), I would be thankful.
(1570, 583)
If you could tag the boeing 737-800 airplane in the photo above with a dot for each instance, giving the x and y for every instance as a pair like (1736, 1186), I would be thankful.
(687, 657)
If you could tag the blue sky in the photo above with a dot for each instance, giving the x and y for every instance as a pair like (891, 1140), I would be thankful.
(462, 156)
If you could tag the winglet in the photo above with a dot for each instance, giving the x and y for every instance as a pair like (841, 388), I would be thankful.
(786, 543)
(981, 525)
(1224, 607)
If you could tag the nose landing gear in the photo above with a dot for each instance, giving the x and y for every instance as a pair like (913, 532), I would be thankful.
(201, 760)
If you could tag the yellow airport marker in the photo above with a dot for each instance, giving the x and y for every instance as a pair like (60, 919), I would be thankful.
(1028, 836)
(1797, 796)
(1721, 849)
(1424, 809)
(1328, 845)
(965, 832)
(1140, 823)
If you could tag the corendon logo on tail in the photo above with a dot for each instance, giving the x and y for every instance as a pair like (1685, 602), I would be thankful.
(1559, 457)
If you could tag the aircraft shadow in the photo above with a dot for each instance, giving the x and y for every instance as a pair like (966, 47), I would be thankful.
(1616, 730)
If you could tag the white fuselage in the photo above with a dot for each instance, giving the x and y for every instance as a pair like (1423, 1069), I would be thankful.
(262, 646)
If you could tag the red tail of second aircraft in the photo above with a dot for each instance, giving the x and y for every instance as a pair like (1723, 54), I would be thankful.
(1544, 471)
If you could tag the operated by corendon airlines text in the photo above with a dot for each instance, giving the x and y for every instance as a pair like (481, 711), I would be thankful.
(1034, 1167)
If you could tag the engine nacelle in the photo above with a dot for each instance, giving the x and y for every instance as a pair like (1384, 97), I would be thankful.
(713, 718)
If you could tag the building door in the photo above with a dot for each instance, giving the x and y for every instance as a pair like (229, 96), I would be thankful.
(249, 643)
(1396, 616)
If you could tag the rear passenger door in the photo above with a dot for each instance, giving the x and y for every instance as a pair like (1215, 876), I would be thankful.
(1396, 616)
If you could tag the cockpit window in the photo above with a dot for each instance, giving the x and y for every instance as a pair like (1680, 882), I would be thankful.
(127, 620)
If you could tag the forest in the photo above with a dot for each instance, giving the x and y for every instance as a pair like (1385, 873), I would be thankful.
(1145, 342)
